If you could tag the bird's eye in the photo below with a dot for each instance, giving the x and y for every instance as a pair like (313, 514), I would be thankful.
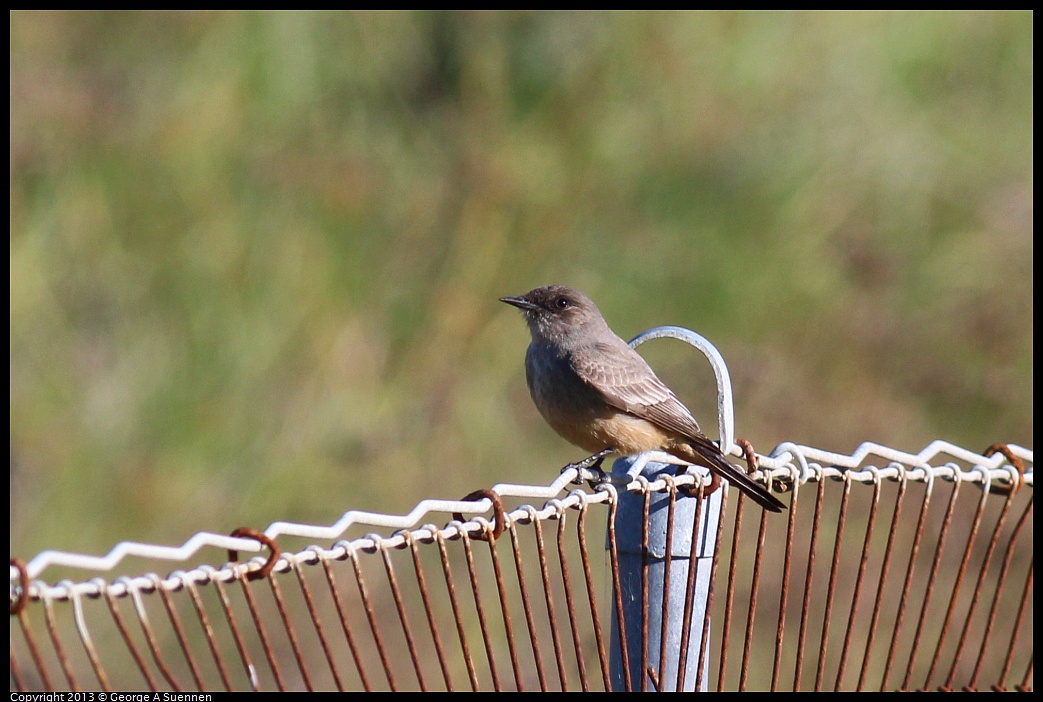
(562, 303)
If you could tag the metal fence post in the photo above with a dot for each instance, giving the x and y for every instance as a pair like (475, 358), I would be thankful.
(653, 665)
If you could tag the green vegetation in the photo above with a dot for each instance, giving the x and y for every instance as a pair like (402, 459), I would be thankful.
(255, 257)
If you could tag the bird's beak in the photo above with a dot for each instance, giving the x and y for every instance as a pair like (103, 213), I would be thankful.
(519, 302)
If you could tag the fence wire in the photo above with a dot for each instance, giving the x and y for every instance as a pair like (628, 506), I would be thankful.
(889, 571)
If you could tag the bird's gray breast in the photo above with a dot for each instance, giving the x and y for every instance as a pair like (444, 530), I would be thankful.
(555, 386)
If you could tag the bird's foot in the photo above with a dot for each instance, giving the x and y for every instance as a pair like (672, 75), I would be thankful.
(589, 469)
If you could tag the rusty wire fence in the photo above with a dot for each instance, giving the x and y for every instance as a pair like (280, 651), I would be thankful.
(888, 571)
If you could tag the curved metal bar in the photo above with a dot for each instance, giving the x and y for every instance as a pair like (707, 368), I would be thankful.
(725, 404)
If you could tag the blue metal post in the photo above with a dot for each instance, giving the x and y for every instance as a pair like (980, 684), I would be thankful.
(645, 672)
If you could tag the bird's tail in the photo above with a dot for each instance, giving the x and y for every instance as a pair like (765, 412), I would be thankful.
(716, 461)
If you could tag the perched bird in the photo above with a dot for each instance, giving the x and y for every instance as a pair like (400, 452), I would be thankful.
(600, 394)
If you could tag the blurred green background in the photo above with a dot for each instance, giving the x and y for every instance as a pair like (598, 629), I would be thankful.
(255, 257)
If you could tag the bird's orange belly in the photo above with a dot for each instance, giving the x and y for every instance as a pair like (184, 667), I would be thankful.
(625, 433)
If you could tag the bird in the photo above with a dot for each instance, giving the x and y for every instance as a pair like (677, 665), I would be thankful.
(597, 392)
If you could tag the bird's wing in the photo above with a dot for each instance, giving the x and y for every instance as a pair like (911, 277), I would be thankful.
(625, 381)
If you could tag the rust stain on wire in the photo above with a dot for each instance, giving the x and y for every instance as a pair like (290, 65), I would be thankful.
(726, 629)
(18, 609)
(179, 631)
(273, 548)
(617, 592)
(834, 567)
(150, 636)
(591, 595)
(805, 609)
(530, 622)
(644, 585)
(208, 630)
(569, 604)
(791, 522)
(668, 554)
(461, 627)
(689, 597)
(88, 642)
(880, 591)
(262, 633)
(548, 598)
(59, 650)
(290, 632)
(1025, 599)
(34, 652)
(751, 615)
(1014, 460)
(349, 636)
(374, 627)
(426, 598)
(317, 623)
(18, 606)
(907, 584)
(490, 648)
(135, 654)
(704, 641)
(752, 465)
(240, 644)
(979, 590)
(929, 591)
(950, 610)
(400, 607)
(856, 597)
(499, 513)
(505, 608)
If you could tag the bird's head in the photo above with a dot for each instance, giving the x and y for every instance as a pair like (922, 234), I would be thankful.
(556, 313)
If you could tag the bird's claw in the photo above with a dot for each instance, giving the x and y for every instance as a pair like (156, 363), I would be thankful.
(589, 469)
